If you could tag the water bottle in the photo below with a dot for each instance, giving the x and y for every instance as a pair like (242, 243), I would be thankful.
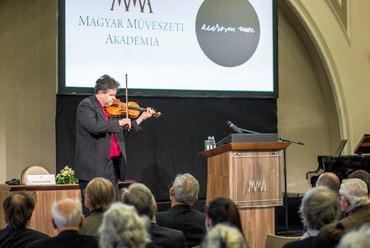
(212, 142)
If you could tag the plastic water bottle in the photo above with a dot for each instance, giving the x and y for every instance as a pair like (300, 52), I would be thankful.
(212, 142)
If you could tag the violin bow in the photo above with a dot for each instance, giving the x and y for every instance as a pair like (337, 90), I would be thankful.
(126, 99)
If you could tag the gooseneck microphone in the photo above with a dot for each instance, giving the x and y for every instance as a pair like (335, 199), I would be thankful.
(233, 127)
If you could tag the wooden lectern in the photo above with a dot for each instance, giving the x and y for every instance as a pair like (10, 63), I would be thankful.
(250, 175)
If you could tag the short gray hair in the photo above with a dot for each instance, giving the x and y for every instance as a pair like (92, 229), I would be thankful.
(122, 227)
(186, 189)
(67, 212)
(319, 207)
(356, 191)
(141, 198)
(357, 238)
(223, 235)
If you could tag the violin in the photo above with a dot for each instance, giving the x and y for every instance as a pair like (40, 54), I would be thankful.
(119, 108)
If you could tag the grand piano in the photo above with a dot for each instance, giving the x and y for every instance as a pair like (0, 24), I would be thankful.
(342, 166)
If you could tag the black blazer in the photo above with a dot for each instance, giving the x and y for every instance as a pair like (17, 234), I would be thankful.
(163, 237)
(181, 217)
(70, 239)
(19, 238)
(93, 140)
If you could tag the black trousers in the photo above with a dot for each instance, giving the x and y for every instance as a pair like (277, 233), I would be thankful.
(111, 170)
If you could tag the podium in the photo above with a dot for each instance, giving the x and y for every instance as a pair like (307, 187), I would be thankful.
(250, 175)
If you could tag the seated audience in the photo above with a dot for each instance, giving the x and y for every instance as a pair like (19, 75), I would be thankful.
(67, 218)
(328, 237)
(329, 180)
(180, 216)
(139, 196)
(122, 228)
(99, 194)
(319, 207)
(18, 209)
(364, 176)
(223, 210)
(354, 200)
(356, 238)
(223, 235)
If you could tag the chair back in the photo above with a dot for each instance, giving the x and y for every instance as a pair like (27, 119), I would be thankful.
(275, 241)
(33, 170)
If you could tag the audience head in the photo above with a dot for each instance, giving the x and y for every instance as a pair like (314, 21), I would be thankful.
(319, 207)
(329, 180)
(105, 83)
(329, 236)
(67, 214)
(18, 209)
(221, 210)
(223, 235)
(357, 238)
(353, 193)
(363, 175)
(139, 196)
(122, 227)
(99, 194)
(185, 189)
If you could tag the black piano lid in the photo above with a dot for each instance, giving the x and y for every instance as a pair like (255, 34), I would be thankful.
(364, 145)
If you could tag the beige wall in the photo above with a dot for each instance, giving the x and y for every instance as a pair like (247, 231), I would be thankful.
(323, 81)
(28, 32)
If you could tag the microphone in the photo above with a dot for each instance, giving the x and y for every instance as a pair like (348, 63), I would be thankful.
(233, 127)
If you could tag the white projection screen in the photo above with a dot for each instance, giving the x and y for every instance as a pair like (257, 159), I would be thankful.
(211, 48)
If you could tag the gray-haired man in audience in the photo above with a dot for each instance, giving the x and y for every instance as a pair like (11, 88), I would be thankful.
(67, 218)
(353, 196)
(180, 216)
(142, 199)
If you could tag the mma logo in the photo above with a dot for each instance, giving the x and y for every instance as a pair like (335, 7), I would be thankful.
(257, 186)
(127, 3)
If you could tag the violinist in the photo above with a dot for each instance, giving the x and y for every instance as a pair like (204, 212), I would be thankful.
(100, 143)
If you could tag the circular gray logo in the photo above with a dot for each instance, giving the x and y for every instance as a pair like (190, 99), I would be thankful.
(228, 32)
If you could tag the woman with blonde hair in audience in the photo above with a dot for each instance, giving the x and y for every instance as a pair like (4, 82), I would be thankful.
(224, 235)
(99, 194)
(122, 228)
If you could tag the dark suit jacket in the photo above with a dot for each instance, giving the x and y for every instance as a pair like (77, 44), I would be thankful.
(355, 219)
(163, 237)
(19, 238)
(93, 140)
(303, 243)
(92, 223)
(70, 239)
(181, 217)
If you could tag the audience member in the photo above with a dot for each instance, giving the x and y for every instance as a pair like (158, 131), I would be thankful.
(99, 194)
(221, 210)
(319, 207)
(223, 235)
(18, 209)
(122, 228)
(67, 218)
(180, 216)
(356, 238)
(329, 180)
(364, 176)
(353, 195)
(143, 200)
(329, 236)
